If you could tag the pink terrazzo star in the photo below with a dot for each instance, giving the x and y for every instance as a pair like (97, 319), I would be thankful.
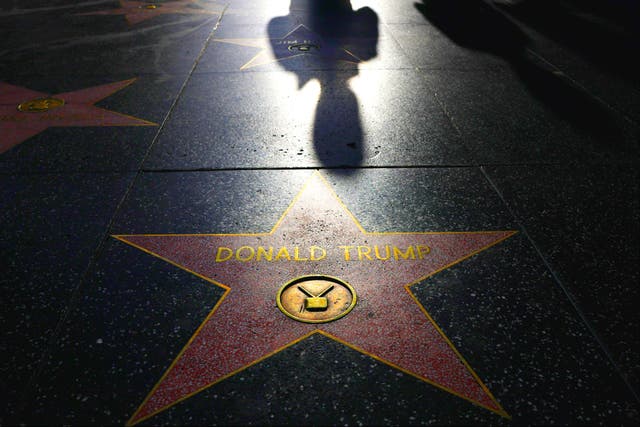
(138, 11)
(25, 113)
(387, 323)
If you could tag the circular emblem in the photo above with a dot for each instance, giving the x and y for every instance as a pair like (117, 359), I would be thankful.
(316, 299)
(40, 105)
(303, 47)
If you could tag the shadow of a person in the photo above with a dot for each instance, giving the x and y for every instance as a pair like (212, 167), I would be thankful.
(478, 25)
(326, 40)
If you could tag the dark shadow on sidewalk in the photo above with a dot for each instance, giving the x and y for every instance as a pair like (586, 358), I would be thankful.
(326, 40)
(478, 25)
(606, 33)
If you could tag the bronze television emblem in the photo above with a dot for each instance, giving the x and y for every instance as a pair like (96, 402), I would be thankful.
(316, 298)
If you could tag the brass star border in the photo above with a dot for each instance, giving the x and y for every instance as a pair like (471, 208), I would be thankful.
(25, 112)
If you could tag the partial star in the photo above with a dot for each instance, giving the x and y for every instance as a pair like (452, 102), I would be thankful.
(298, 42)
(138, 11)
(317, 235)
(25, 113)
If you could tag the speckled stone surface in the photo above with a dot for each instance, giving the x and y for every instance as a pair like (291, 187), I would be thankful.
(150, 149)
(36, 38)
(274, 122)
(78, 141)
(585, 221)
(537, 118)
(503, 320)
(52, 225)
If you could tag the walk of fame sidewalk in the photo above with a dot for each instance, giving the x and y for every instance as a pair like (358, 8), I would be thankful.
(307, 212)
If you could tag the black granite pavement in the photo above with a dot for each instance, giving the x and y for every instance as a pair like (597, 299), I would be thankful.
(430, 116)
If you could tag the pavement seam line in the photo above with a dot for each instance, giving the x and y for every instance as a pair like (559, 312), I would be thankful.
(583, 318)
(99, 248)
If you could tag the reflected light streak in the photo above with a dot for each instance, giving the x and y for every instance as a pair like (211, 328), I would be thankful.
(367, 87)
(298, 104)
(306, 99)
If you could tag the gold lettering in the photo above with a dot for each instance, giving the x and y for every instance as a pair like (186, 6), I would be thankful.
(227, 256)
(268, 255)
(364, 251)
(249, 257)
(423, 250)
(283, 253)
(386, 248)
(317, 253)
(296, 254)
(397, 253)
(347, 255)
(323, 253)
